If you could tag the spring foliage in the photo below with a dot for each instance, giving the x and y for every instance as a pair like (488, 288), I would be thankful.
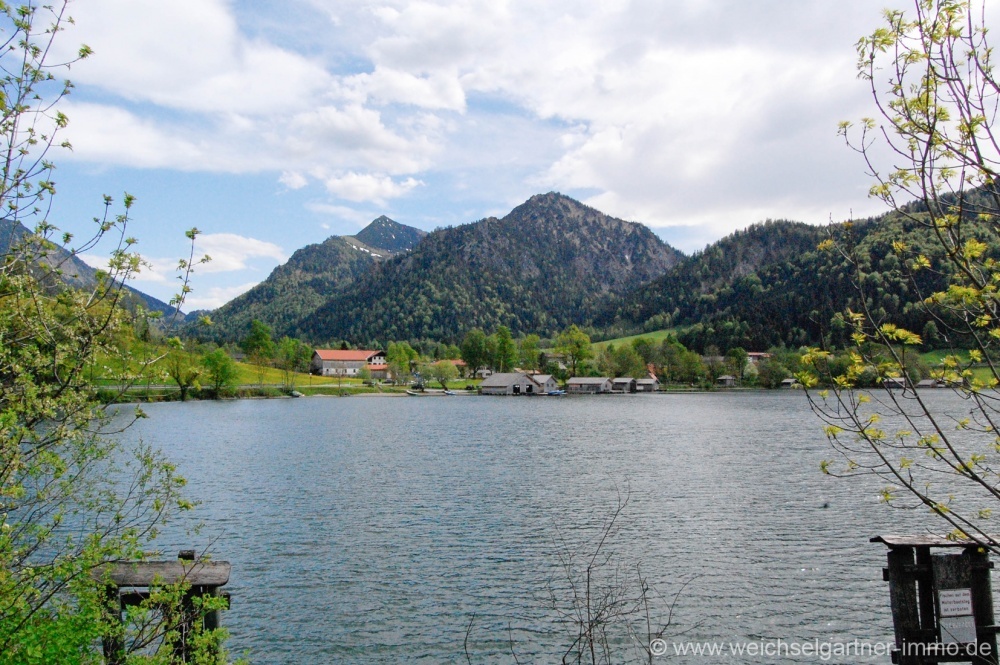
(932, 141)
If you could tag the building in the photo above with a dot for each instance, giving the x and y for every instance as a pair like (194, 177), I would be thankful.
(790, 383)
(650, 385)
(588, 385)
(726, 380)
(546, 382)
(347, 363)
(508, 383)
(895, 383)
(623, 384)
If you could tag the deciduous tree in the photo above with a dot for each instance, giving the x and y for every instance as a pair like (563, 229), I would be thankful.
(72, 495)
(933, 153)
(574, 344)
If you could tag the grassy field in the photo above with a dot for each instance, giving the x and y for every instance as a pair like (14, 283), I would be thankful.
(655, 336)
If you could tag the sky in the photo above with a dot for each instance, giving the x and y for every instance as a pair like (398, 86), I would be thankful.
(270, 126)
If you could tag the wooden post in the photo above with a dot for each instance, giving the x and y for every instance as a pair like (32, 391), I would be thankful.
(903, 601)
(982, 604)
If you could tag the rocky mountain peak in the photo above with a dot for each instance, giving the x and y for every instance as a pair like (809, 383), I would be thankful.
(390, 235)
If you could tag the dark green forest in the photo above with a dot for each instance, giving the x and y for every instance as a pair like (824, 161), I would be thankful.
(554, 262)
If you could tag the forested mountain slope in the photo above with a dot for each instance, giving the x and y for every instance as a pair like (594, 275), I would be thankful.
(769, 285)
(550, 262)
(71, 270)
(310, 277)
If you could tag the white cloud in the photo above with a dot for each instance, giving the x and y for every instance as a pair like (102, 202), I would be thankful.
(189, 55)
(714, 113)
(367, 187)
(293, 180)
(357, 217)
(215, 296)
(230, 252)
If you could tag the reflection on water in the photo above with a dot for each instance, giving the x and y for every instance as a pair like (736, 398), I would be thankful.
(371, 529)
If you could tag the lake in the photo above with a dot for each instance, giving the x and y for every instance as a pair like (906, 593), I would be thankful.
(373, 529)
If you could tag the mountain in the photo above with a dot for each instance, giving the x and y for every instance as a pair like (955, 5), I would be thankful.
(550, 262)
(70, 269)
(769, 285)
(391, 236)
(310, 277)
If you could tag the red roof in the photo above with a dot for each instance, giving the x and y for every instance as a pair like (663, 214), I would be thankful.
(378, 368)
(352, 354)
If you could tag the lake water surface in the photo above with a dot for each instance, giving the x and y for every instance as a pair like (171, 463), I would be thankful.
(372, 529)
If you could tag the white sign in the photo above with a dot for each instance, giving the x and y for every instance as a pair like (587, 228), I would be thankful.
(958, 630)
(955, 602)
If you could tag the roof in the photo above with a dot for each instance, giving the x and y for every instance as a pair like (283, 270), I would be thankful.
(350, 354)
(587, 380)
(378, 368)
(647, 382)
(501, 380)
(540, 379)
(623, 379)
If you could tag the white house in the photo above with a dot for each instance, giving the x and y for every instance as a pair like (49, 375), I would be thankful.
(338, 362)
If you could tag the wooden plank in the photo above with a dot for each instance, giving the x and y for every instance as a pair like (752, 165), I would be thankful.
(925, 540)
(145, 573)
(903, 601)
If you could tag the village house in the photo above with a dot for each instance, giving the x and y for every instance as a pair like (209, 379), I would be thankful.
(347, 363)
(726, 380)
(588, 385)
(623, 384)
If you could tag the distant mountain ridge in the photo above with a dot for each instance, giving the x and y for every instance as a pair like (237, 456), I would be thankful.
(73, 271)
(311, 276)
(770, 285)
(550, 262)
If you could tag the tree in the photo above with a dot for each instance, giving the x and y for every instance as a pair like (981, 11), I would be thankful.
(772, 373)
(72, 496)
(933, 141)
(400, 357)
(182, 367)
(737, 359)
(529, 351)
(293, 356)
(574, 344)
(442, 371)
(474, 351)
(259, 347)
(220, 370)
(623, 360)
(504, 355)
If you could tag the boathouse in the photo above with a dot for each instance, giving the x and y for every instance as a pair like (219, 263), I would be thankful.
(623, 384)
(588, 385)
(650, 385)
(508, 383)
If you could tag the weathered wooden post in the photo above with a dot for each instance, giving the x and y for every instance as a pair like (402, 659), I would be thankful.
(129, 583)
(941, 600)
